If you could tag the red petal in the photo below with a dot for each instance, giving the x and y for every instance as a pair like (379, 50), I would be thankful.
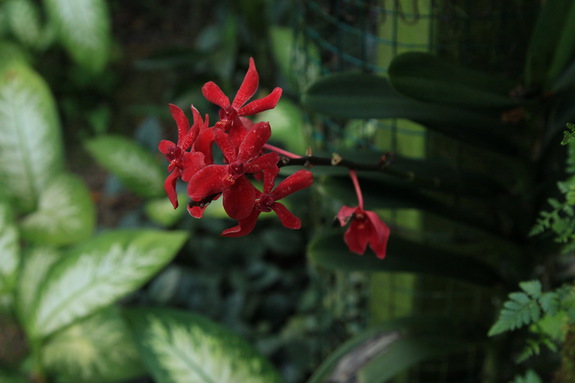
(226, 146)
(181, 121)
(165, 146)
(266, 161)
(379, 234)
(268, 102)
(214, 94)
(194, 130)
(193, 162)
(244, 226)
(344, 214)
(253, 142)
(357, 236)
(239, 199)
(270, 175)
(204, 145)
(295, 182)
(210, 180)
(248, 87)
(170, 187)
(287, 218)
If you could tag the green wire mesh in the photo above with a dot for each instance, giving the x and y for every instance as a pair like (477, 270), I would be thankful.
(340, 35)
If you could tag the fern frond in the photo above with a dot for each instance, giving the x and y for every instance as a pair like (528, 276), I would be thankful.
(529, 377)
(518, 311)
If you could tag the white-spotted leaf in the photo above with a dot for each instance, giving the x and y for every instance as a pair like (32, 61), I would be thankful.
(134, 166)
(83, 28)
(65, 213)
(99, 272)
(30, 138)
(97, 349)
(179, 347)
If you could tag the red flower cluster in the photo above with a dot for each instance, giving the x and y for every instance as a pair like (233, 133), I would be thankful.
(244, 158)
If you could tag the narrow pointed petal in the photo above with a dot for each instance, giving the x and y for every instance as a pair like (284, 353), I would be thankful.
(239, 199)
(379, 235)
(295, 182)
(204, 143)
(189, 139)
(214, 94)
(244, 226)
(248, 87)
(268, 102)
(181, 121)
(170, 187)
(254, 141)
(270, 175)
(344, 214)
(210, 180)
(228, 149)
(287, 218)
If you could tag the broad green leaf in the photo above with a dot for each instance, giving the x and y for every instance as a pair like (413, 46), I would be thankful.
(135, 167)
(83, 28)
(9, 248)
(30, 138)
(179, 347)
(23, 17)
(364, 96)
(12, 376)
(380, 353)
(37, 261)
(545, 40)
(65, 213)
(161, 211)
(403, 255)
(565, 47)
(11, 54)
(97, 349)
(97, 273)
(426, 77)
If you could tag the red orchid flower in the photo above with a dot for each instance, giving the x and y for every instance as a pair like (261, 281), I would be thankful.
(238, 107)
(266, 201)
(182, 164)
(238, 192)
(366, 227)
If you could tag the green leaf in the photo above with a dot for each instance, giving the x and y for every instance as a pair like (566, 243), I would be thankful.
(565, 47)
(37, 261)
(30, 139)
(532, 288)
(287, 124)
(518, 311)
(529, 377)
(403, 255)
(99, 272)
(364, 96)
(133, 165)
(380, 353)
(12, 376)
(9, 248)
(83, 28)
(182, 347)
(23, 18)
(426, 77)
(545, 41)
(65, 213)
(161, 211)
(97, 349)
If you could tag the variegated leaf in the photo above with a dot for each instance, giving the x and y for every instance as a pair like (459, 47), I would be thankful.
(178, 347)
(9, 248)
(30, 138)
(37, 261)
(83, 27)
(97, 349)
(65, 213)
(134, 166)
(99, 272)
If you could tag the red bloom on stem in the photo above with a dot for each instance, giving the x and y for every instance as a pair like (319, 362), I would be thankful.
(266, 202)
(366, 227)
(229, 179)
(183, 164)
(231, 111)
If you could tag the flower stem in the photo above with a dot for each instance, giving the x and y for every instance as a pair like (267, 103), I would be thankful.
(281, 151)
(353, 175)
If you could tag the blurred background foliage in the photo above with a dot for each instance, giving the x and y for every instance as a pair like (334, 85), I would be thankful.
(111, 67)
